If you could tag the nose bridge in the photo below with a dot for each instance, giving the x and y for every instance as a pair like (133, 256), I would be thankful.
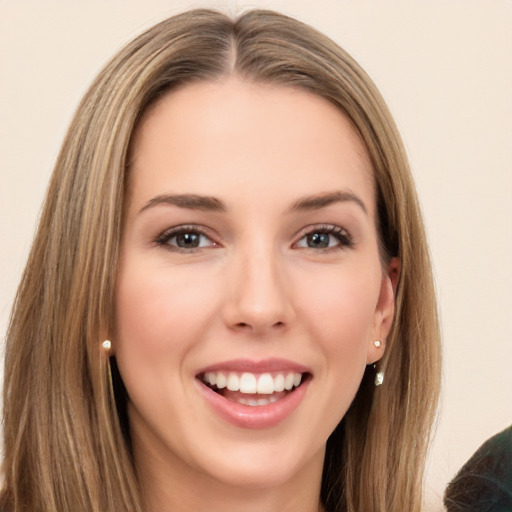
(258, 300)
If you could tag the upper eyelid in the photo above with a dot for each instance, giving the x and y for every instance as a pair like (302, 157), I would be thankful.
(322, 227)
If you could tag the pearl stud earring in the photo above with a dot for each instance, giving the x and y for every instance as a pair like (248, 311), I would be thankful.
(377, 343)
(106, 345)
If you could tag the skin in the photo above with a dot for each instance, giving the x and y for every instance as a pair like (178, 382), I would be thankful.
(253, 289)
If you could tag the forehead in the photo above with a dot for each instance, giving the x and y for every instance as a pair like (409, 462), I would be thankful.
(253, 136)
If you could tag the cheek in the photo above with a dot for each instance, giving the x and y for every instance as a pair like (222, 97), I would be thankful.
(337, 308)
(341, 304)
(340, 313)
(159, 313)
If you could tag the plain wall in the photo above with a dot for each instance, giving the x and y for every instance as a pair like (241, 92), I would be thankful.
(445, 69)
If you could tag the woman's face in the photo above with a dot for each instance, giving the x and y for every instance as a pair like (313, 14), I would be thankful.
(250, 289)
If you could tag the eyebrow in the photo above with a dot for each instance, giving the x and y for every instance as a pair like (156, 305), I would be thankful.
(319, 201)
(189, 201)
(212, 204)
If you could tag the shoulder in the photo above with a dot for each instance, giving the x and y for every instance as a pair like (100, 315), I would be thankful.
(485, 480)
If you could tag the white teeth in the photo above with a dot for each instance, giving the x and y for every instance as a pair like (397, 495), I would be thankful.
(233, 383)
(222, 381)
(265, 384)
(288, 381)
(250, 383)
(255, 403)
(279, 382)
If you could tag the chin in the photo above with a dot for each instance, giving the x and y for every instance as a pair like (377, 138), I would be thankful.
(263, 465)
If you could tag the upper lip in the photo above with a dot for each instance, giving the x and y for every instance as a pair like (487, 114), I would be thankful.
(253, 366)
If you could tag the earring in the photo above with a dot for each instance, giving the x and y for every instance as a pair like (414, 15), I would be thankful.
(379, 376)
(377, 343)
(106, 363)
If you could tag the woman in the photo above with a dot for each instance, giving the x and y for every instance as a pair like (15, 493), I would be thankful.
(230, 258)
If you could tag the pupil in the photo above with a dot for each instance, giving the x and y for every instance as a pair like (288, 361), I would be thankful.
(187, 240)
(318, 240)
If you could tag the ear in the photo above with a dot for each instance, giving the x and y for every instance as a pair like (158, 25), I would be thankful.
(384, 311)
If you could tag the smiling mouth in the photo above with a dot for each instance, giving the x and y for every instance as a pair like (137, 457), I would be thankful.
(253, 389)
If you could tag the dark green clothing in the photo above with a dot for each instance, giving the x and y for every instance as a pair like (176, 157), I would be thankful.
(484, 483)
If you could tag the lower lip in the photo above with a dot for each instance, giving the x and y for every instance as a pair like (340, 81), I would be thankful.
(255, 417)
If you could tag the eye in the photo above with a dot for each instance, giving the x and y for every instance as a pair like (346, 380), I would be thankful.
(325, 237)
(185, 238)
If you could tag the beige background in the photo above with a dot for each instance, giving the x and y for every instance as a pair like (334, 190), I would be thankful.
(445, 69)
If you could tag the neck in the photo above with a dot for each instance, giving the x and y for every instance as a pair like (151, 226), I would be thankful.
(170, 485)
(174, 498)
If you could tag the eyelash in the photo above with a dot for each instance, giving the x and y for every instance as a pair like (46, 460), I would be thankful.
(342, 236)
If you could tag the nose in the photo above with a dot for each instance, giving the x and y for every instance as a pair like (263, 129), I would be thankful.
(259, 296)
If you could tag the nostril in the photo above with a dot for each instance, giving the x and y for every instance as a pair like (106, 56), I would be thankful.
(249, 326)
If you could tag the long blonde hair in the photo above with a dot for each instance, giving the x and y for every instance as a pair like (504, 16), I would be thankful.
(65, 434)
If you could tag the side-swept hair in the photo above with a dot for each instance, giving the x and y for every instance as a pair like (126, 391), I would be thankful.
(66, 440)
